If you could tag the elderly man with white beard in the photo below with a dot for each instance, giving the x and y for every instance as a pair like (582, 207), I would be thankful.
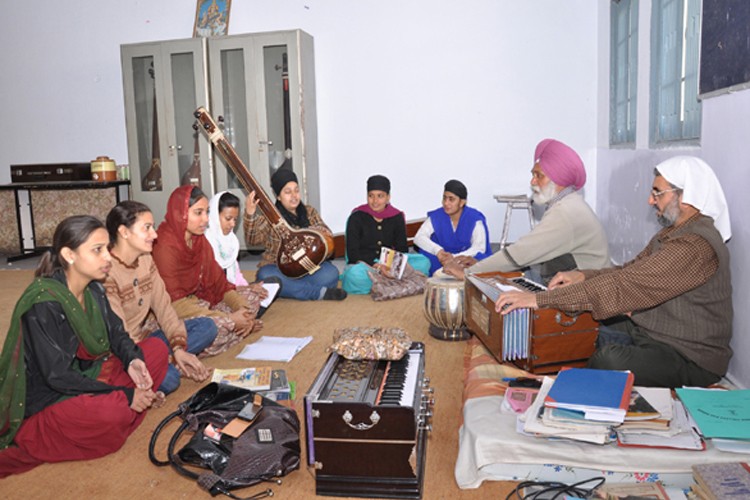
(674, 300)
(569, 236)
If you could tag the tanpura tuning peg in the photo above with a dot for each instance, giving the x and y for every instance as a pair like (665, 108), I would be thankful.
(195, 126)
(220, 119)
(197, 114)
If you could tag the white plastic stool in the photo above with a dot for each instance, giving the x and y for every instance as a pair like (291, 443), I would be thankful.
(512, 202)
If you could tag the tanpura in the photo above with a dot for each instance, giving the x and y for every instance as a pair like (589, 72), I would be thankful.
(302, 250)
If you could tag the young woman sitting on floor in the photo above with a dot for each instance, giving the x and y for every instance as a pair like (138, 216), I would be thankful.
(138, 295)
(370, 227)
(73, 385)
(223, 212)
(194, 280)
(321, 285)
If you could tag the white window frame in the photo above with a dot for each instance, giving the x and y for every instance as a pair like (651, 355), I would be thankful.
(623, 78)
(675, 114)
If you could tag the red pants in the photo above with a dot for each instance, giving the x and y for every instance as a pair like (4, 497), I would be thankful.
(86, 426)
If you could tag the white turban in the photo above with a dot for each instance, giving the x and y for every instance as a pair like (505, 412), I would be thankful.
(700, 188)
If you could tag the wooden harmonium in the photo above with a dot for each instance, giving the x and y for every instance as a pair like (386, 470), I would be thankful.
(366, 424)
(539, 341)
(47, 172)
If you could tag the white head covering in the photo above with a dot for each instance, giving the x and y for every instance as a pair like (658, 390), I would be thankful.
(700, 188)
(226, 246)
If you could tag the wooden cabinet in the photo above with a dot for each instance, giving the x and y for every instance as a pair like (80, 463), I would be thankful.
(261, 86)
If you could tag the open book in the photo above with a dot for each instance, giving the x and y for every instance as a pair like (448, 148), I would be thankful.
(394, 261)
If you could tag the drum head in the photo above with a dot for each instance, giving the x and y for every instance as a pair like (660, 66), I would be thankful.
(442, 275)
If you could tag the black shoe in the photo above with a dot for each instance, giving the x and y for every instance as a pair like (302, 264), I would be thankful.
(334, 294)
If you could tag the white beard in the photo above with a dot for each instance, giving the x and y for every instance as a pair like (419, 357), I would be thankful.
(542, 196)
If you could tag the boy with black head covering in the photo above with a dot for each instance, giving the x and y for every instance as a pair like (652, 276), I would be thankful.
(370, 227)
(453, 231)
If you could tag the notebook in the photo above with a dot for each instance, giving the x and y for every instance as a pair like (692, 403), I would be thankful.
(602, 395)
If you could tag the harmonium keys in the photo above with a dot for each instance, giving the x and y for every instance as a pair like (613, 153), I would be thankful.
(541, 340)
(367, 423)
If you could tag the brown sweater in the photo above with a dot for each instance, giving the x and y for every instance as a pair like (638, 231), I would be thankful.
(678, 289)
(136, 290)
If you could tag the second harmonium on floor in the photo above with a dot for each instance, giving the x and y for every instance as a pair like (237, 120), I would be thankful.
(539, 341)
(366, 424)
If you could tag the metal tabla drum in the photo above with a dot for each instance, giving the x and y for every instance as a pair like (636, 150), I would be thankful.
(444, 307)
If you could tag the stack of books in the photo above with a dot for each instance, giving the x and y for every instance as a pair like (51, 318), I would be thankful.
(719, 481)
(631, 491)
(720, 415)
(654, 419)
(254, 378)
(281, 390)
(581, 404)
(271, 383)
(598, 395)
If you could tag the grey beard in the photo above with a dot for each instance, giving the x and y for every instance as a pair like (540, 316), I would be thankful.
(664, 221)
(669, 216)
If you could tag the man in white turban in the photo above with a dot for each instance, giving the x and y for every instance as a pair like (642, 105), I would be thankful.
(674, 300)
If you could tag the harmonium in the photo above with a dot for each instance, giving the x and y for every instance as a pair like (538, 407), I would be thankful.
(539, 341)
(366, 425)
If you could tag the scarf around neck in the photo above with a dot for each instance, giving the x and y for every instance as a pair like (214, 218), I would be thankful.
(388, 212)
(87, 324)
(298, 219)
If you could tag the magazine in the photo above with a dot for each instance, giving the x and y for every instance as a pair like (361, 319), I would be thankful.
(394, 262)
(255, 379)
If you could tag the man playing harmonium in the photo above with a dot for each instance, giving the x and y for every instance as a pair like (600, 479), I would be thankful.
(676, 295)
(569, 236)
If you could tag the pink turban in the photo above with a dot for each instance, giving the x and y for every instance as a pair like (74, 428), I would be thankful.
(560, 163)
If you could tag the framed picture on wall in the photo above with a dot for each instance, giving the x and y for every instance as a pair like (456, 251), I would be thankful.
(211, 18)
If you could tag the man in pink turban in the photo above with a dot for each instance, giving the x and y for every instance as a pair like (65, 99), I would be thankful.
(560, 163)
(569, 236)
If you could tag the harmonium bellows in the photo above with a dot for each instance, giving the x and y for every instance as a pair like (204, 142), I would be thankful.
(366, 424)
(539, 341)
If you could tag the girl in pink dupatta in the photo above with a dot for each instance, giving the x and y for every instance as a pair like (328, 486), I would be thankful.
(370, 227)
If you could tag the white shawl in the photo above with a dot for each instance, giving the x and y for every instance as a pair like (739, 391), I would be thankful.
(226, 246)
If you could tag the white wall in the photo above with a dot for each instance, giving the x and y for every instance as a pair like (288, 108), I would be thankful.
(418, 90)
(624, 178)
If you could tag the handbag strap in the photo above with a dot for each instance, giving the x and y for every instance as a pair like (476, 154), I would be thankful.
(155, 436)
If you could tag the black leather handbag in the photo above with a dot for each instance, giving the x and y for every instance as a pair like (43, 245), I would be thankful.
(265, 451)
